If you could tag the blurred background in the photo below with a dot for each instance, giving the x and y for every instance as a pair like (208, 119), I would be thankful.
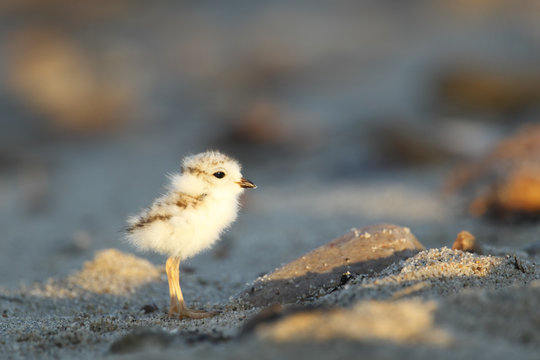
(345, 114)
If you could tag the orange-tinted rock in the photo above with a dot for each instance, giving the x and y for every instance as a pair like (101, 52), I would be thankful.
(521, 190)
(506, 182)
(361, 251)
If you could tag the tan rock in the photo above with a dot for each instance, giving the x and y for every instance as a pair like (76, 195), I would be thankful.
(465, 241)
(361, 251)
(58, 78)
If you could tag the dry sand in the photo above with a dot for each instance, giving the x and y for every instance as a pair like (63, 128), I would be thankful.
(441, 302)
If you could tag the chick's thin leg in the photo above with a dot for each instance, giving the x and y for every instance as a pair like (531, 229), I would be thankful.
(172, 268)
(177, 306)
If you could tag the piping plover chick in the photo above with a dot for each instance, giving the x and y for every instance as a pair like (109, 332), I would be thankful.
(200, 203)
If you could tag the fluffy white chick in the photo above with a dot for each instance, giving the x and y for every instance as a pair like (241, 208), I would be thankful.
(201, 202)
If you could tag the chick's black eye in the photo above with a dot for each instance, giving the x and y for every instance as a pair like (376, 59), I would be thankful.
(219, 174)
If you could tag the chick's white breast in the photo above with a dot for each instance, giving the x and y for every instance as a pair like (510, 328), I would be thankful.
(197, 228)
(186, 231)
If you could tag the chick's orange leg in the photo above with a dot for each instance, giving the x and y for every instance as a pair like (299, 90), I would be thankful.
(177, 306)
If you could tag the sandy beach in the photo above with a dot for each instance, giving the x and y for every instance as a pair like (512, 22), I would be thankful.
(345, 116)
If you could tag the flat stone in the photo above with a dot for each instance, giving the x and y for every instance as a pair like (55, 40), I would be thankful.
(361, 251)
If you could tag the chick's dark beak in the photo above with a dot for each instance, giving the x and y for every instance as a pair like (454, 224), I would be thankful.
(246, 184)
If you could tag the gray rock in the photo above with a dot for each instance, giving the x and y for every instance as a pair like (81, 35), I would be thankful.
(361, 251)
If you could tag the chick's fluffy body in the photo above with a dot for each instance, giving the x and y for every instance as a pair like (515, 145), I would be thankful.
(194, 212)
